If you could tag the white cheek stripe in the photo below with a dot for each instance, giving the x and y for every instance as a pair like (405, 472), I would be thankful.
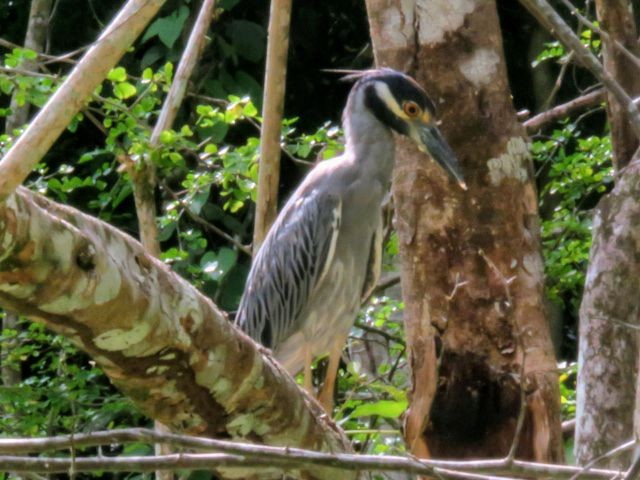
(382, 89)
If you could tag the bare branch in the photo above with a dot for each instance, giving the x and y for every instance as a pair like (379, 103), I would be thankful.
(144, 179)
(239, 455)
(558, 112)
(185, 68)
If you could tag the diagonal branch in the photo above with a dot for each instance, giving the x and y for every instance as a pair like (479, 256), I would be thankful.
(165, 345)
(604, 35)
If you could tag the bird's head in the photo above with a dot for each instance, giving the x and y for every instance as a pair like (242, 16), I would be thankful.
(400, 103)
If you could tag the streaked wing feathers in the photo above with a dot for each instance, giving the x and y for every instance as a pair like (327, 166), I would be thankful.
(292, 261)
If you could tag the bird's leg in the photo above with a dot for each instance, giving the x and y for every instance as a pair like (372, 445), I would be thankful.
(325, 397)
(308, 360)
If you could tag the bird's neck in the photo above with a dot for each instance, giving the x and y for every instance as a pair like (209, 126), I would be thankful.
(369, 143)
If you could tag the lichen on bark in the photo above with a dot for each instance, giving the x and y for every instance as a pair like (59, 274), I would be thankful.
(160, 341)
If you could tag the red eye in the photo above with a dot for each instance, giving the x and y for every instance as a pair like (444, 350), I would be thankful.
(411, 109)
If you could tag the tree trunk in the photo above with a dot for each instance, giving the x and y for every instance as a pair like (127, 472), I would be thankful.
(472, 269)
(608, 349)
(612, 306)
(160, 341)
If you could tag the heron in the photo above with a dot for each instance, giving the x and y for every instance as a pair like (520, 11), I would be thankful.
(322, 255)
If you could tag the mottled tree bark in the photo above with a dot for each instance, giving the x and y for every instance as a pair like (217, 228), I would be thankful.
(608, 349)
(472, 269)
(612, 306)
(164, 344)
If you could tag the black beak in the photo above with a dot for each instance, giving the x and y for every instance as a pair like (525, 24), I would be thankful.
(437, 147)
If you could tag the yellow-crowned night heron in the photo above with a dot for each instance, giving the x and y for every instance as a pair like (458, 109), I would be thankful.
(322, 255)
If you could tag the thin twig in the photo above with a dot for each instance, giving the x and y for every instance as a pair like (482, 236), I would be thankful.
(64, 58)
(249, 455)
(611, 453)
(201, 221)
(378, 331)
(456, 286)
(27, 73)
(523, 402)
(506, 281)
(559, 79)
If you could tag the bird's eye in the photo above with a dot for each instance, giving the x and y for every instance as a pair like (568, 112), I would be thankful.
(411, 109)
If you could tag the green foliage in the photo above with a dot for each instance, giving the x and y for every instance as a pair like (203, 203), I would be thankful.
(168, 28)
(568, 377)
(578, 171)
(63, 390)
(555, 51)
(34, 90)
(375, 381)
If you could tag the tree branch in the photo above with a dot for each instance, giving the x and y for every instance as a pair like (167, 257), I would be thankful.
(185, 68)
(164, 344)
(231, 454)
(558, 112)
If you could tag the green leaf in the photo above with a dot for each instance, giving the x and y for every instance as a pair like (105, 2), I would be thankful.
(147, 75)
(198, 200)
(217, 266)
(168, 28)
(250, 110)
(185, 131)
(118, 74)
(124, 90)
(167, 137)
(382, 408)
(248, 38)
(211, 148)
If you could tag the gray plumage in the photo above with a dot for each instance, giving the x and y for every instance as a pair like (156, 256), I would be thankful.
(322, 255)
